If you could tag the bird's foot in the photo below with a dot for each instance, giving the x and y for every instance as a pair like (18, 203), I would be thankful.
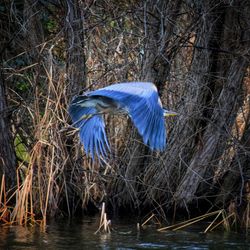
(86, 117)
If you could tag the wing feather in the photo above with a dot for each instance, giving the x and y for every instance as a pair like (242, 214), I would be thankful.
(92, 131)
(141, 101)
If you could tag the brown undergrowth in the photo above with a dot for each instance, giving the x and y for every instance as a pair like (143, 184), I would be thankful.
(201, 68)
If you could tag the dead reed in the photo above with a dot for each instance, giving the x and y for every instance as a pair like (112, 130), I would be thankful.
(216, 222)
(105, 224)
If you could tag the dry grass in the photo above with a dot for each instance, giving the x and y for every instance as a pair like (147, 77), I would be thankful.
(105, 224)
(42, 183)
(220, 218)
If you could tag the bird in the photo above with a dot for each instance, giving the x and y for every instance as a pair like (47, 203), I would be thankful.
(139, 100)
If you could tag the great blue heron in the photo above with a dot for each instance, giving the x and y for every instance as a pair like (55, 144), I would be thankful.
(139, 100)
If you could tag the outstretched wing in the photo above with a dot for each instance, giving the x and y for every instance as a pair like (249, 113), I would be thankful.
(91, 130)
(144, 107)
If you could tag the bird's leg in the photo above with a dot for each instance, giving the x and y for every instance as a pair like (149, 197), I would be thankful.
(72, 132)
(87, 117)
(168, 113)
(84, 117)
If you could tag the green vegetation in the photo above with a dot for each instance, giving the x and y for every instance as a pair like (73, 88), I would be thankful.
(21, 149)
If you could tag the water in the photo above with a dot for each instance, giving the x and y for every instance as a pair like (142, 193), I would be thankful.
(80, 235)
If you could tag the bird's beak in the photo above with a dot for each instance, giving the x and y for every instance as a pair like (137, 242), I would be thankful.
(168, 113)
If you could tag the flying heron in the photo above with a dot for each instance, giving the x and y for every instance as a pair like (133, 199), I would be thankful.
(139, 100)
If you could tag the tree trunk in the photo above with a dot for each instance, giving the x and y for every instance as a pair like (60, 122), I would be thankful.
(75, 57)
(7, 153)
(76, 79)
(233, 184)
(215, 138)
(211, 101)
(225, 104)
(158, 30)
(195, 112)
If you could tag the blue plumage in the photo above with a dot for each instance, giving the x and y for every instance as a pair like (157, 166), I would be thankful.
(91, 131)
(139, 100)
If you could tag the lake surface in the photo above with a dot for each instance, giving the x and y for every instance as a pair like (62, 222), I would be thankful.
(80, 234)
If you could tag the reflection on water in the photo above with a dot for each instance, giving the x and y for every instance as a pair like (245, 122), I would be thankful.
(80, 235)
